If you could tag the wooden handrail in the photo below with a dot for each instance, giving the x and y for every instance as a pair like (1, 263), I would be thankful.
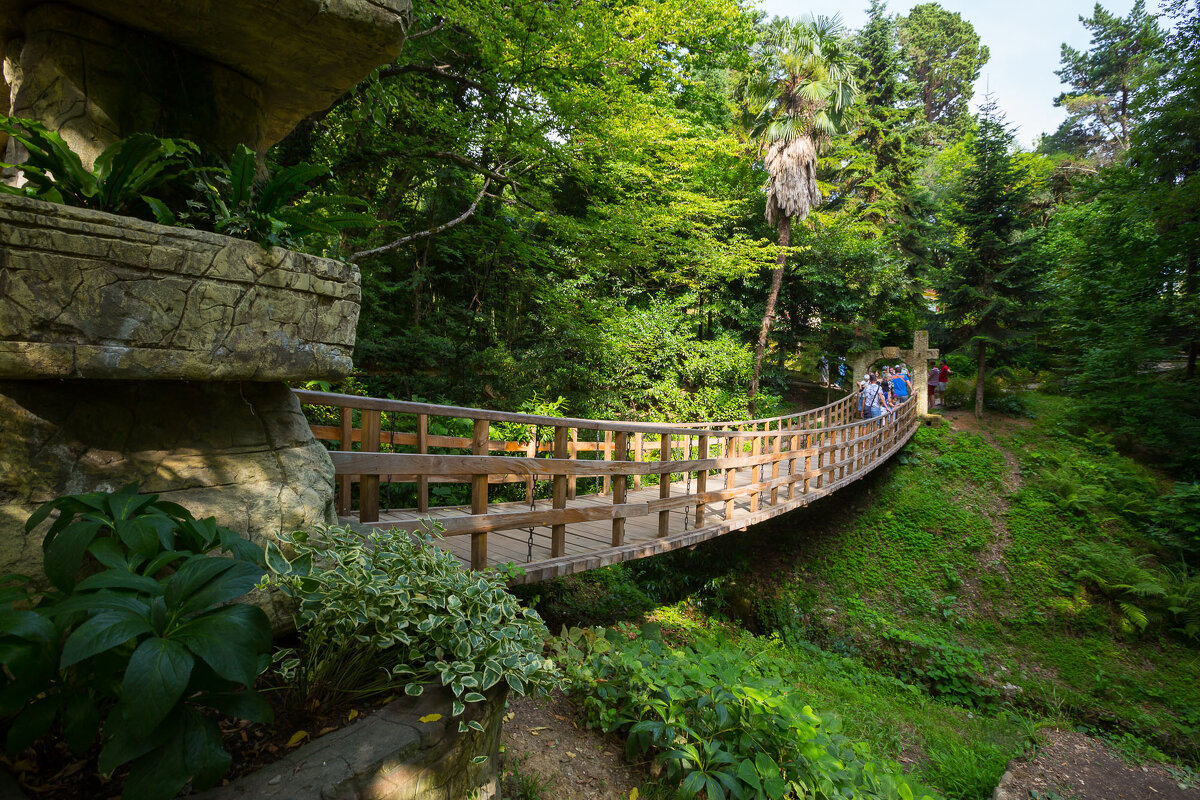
(780, 463)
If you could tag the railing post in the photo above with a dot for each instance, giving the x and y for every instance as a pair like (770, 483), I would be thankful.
(730, 473)
(573, 454)
(756, 469)
(558, 533)
(422, 447)
(347, 444)
(701, 481)
(531, 451)
(479, 494)
(606, 484)
(664, 484)
(620, 482)
(637, 456)
(368, 485)
(793, 445)
(776, 449)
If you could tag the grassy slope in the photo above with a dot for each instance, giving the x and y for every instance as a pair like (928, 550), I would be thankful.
(951, 570)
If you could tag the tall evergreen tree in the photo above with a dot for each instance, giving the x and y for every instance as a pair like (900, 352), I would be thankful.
(946, 56)
(1166, 155)
(1104, 78)
(988, 290)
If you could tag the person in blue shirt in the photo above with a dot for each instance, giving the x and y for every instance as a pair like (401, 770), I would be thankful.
(901, 386)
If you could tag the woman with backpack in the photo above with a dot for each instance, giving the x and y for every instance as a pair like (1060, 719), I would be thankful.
(874, 402)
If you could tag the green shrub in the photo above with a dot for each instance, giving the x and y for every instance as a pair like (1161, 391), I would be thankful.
(137, 641)
(1174, 519)
(275, 210)
(721, 719)
(998, 395)
(135, 175)
(126, 178)
(1146, 594)
(389, 611)
(946, 670)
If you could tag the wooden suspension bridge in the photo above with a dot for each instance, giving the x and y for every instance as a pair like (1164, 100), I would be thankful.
(596, 492)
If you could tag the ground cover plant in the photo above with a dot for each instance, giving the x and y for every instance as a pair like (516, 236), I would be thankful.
(724, 719)
(389, 612)
(134, 643)
(130, 667)
(171, 182)
(945, 609)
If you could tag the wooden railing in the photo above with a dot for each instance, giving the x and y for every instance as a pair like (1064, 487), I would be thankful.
(777, 463)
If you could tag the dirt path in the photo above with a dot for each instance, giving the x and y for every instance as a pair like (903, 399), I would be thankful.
(549, 754)
(1072, 766)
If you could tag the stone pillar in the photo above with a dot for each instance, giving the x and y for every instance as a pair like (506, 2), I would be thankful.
(95, 82)
(131, 351)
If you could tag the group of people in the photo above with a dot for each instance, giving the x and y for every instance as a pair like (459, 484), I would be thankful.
(881, 392)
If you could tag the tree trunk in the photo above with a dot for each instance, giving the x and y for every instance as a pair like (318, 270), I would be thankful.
(785, 237)
(1189, 291)
(980, 352)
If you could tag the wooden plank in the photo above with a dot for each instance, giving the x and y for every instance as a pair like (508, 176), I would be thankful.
(345, 441)
(776, 446)
(606, 486)
(730, 475)
(479, 495)
(335, 400)
(434, 464)
(619, 489)
(558, 533)
(637, 456)
(664, 487)
(474, 524)
(572, 451)
(368, 483)
(422, 447)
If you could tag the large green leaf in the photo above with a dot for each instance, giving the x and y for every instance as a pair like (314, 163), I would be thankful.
(139, 536)
(27, 625)
(190, 750)
(246, 704)
(154, 682)
(206, 581)
(241, 175)
(229, 640)
(120, 579)
(63, 557)
(106, 630)
(284, 185)
(32, 723)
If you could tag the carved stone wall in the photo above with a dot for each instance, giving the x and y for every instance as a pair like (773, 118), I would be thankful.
(85, 294)
(216, 72)
(241, 452)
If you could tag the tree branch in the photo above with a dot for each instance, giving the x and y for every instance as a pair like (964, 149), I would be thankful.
(427, 32)
(403, 240)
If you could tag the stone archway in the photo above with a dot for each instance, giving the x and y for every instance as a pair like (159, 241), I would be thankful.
(917, 357)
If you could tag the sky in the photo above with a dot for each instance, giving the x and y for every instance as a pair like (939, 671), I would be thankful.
(1024, 37)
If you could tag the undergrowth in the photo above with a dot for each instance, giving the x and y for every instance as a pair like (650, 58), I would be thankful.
(949, 605)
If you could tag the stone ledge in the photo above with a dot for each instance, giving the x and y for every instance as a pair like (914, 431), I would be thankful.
(390, 754)
(84, 294)
(304, 54)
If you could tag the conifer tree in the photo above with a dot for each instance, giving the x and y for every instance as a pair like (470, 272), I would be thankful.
(1104, 80)
(988, 287)
(945, 57)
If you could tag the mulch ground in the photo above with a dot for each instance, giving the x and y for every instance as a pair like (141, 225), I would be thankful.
(545, 742)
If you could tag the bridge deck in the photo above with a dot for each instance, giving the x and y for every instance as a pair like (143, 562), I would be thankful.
(589, 544)
(722, 476)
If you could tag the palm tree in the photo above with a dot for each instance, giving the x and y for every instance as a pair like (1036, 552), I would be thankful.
(797, 97)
